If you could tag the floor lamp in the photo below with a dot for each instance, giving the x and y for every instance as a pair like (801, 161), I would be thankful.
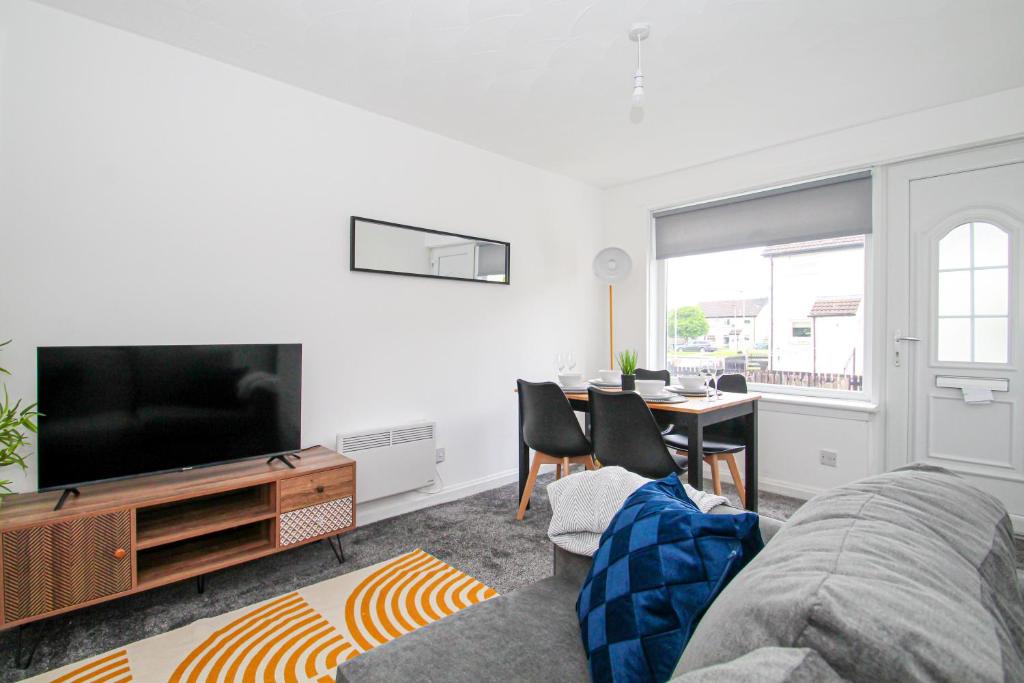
(612, 265)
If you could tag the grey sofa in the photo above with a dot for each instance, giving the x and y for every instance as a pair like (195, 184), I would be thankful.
(905, 576)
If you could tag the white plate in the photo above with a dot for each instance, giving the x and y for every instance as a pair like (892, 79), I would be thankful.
(665, 398)
(598, 382)
(682, 392)
(575, 390)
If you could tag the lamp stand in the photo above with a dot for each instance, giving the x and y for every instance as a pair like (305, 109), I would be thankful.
(611, 329)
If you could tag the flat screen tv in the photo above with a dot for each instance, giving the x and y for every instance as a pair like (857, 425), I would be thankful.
(119, 411)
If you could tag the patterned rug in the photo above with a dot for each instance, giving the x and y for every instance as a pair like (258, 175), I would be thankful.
(295, 638)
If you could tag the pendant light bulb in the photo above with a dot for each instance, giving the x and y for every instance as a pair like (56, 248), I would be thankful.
(636, 109)
(637, 33)
(638, 90)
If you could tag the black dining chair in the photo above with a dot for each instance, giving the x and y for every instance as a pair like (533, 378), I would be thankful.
(663, 375)
(551, 429)
(724, 443)
(625, 434)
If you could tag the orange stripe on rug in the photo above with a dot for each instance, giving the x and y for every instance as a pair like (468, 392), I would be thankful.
(406, 593)
(278, 641)
(116, 660)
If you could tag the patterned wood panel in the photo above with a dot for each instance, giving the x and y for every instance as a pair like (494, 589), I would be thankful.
(316, 520)
(28, 579)
(51, 567)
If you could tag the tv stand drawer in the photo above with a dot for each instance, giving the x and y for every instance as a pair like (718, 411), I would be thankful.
(314, 521)
(312, 489)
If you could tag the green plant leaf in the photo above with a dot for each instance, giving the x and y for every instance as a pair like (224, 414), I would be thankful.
(15, 421)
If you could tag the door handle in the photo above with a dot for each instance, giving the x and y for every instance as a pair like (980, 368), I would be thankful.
(897, 338)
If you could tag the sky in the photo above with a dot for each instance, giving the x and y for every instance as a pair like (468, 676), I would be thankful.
(739, 274)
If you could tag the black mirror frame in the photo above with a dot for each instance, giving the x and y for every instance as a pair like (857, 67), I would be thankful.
(352, 252)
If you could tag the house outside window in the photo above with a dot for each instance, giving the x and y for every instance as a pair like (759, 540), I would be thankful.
(791, 314)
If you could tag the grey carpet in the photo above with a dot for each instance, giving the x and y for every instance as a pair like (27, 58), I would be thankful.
(477, 534)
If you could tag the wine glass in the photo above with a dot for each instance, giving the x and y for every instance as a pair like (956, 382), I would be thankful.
(560, 362)
(719, 371)
(707, 368)
(570, 361)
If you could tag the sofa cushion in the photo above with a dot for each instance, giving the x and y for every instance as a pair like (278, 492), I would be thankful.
(530, 634)
(660, 563)
(767, 665)
(904, 576)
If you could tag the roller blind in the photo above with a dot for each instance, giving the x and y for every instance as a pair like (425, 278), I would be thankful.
(822, 209)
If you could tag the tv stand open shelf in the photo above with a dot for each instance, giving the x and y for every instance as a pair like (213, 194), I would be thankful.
(123, 537)
(160, 524)
(201, 554)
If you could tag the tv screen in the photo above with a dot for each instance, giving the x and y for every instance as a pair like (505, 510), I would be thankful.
(119, 411)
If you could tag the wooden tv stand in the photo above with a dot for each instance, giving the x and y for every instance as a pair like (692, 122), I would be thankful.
(127, 536)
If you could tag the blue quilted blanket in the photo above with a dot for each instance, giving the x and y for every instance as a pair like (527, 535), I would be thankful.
(660, 564)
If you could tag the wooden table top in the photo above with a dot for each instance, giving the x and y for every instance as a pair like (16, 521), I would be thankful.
(690, 405)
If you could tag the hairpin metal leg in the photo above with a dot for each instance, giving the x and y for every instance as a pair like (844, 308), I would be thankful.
(201, 583)
(339, 552)
(23, 660)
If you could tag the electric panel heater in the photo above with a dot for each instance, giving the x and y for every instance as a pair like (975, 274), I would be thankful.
(391, 460)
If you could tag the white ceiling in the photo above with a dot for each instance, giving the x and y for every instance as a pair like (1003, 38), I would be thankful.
(548, 81)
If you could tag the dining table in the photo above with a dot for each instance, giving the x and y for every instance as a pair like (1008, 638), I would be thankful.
(690, 417)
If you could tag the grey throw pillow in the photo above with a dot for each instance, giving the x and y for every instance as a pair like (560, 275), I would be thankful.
(767, 665)
(906, 576)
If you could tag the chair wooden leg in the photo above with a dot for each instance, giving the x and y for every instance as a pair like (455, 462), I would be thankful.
(530, 481)
(589, 463)
(565, 464)
(716, 480)
(734, 471)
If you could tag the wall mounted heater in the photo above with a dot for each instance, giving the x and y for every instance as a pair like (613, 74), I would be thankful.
(390, 460)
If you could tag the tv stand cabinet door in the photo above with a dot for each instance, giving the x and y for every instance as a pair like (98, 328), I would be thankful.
(56, 566)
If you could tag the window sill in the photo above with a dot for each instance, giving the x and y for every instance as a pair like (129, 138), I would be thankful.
(850, 409)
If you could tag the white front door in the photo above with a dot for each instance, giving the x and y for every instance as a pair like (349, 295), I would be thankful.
(965, 377)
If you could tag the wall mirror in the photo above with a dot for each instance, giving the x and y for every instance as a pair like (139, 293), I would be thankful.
(382, 247)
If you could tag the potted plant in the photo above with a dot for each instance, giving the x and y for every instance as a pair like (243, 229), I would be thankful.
(627, 364)
(16, 421)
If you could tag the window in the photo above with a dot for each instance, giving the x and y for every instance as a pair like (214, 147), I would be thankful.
(973, 294)
(787, 266)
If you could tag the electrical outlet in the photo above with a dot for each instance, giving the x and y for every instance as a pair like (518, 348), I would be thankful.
(828, 457)
(439, 455)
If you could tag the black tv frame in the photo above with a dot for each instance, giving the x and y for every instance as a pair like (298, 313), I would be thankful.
(71, 488)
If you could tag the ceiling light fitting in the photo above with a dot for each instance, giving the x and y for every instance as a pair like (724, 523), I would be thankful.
(638, 33)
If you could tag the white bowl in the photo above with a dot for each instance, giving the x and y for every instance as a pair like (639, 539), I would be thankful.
(650, 387)
(570, 379)
(610, 376)
(692, 382)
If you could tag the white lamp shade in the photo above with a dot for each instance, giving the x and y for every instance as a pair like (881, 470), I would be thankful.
(612, 264)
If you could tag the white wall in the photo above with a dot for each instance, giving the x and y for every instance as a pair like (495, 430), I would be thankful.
(152, 196)
(791, 436)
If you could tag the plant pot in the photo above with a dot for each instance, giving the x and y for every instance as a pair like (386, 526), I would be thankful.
(629, 382)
